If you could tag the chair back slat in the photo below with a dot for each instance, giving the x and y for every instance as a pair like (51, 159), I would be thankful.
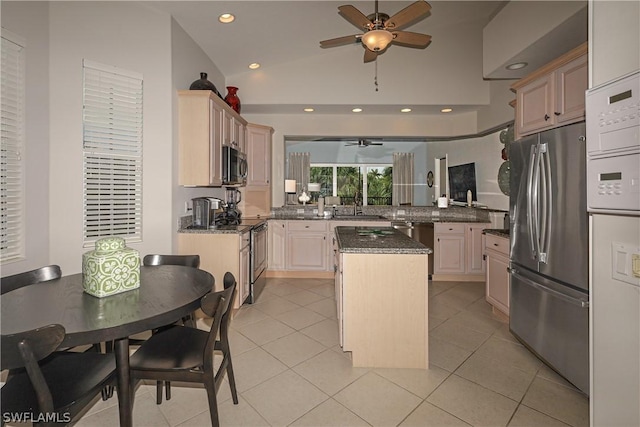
(185, 260)
(39, 275)
(41, 342)
(216, 305)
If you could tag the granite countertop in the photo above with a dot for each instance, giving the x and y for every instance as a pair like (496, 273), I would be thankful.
(377, 240)
(414, 219)
(224, 229)
(498, 232)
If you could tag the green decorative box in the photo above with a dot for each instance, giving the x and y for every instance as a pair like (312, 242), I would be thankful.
(111, 268)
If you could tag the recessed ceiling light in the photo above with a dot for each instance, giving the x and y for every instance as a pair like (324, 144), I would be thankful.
(226, 18)
(357, 110)
(405, 110)
(308, 110)
(516, 65)
(254, 65)
(446, 110)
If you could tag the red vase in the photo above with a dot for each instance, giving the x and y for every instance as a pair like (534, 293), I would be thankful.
(232, 98)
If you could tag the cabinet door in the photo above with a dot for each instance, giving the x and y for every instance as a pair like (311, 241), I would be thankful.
(534, 107)
(497, 281)
(449, 254)
(245, 277)
(259, 155)
(277, 244)
(227, 130)
(199, 133)
(474, 247)
(238, 136)
(571, 81)
(215, 154)
(306, 251)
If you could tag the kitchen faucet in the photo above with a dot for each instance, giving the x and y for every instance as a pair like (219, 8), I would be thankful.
(357, 207)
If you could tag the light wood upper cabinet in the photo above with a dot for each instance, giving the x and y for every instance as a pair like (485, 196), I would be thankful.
(205, 123)
(259, 155)
(200, 133)
(553, 95)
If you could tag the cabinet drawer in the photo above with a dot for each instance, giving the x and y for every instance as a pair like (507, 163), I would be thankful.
(318, 225)
(498, 244)
(449, 228)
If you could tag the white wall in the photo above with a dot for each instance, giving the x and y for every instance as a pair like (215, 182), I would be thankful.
(187, 61)
(29, 20)
(486, 153)
(614, 39)
(127, 35)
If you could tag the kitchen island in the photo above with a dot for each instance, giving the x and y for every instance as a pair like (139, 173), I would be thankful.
(382, 297)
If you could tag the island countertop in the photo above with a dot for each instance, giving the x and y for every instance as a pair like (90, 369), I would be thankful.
(377, 240)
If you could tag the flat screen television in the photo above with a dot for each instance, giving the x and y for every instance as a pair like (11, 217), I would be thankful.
(461, 179)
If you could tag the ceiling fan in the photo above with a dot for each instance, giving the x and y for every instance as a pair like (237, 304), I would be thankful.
(380, 30)
(363, 143)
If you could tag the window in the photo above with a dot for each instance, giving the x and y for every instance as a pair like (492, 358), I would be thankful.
(373, 182)
(112, 152)
(12, 164)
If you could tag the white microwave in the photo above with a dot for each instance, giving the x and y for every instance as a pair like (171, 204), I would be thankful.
(613, 146)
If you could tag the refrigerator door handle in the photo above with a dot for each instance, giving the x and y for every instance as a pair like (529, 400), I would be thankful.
(530, 198)
(546, 200)
(575, 301)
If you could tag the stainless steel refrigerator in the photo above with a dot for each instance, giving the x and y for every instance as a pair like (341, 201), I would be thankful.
(549, 298)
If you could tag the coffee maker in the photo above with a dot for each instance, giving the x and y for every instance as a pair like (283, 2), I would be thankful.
(206, 212)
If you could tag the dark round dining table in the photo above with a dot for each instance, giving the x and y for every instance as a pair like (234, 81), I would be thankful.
(166, 294)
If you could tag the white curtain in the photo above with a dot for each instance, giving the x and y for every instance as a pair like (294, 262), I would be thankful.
(402, 179)
(299, 169)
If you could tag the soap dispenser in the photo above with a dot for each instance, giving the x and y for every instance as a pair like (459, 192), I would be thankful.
(469, 198)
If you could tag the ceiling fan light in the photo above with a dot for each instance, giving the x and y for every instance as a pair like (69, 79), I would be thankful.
(377, 40)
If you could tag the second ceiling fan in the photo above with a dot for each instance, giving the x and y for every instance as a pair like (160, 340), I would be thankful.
(380, 30)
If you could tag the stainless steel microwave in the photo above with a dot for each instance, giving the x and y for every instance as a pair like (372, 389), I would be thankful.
(234, 167)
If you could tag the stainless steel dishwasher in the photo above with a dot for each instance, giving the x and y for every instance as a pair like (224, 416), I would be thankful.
(419, 231)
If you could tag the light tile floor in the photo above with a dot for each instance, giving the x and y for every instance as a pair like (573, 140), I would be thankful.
(291, 371)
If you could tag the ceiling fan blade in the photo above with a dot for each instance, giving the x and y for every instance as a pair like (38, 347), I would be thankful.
(407, 16)
(409, 39)
(369, 55)
(341, 41)
(355, 17)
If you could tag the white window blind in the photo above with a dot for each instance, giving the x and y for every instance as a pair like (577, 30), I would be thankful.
(112, 146)
(12, 167)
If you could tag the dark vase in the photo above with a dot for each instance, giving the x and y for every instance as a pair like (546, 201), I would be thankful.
(203, 84)
(232, 98)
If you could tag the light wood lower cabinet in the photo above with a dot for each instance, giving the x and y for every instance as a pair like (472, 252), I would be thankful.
(458, 251)
(497, 273)
(219, 253)
(306, 245)
(383, 309)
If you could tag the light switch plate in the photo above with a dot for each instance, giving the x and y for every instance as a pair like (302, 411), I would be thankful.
(625, 263)
(300, 211)
(435, 213)
(401, 212)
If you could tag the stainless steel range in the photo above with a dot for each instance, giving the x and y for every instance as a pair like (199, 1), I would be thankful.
(258, 260)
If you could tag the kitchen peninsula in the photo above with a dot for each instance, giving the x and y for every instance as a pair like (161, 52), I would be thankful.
(382, 297)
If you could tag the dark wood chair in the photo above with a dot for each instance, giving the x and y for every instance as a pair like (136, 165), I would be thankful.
(186, 354)
(155, 260)
(53, 386)
(39, 275)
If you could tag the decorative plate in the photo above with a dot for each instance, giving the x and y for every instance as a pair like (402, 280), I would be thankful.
(430, 179)
(503, 177)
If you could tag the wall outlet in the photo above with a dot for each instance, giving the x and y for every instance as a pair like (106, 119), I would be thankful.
(435, 213)
(300, 211)
(401, 212)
